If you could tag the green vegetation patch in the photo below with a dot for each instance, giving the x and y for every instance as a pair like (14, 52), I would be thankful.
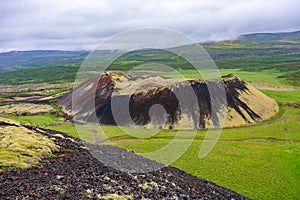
(284, 96)
(114, 197)
(52, 74)
(22, 148)
(293, 77)
(36, 120)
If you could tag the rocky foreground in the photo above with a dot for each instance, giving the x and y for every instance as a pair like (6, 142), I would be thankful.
(73, 173)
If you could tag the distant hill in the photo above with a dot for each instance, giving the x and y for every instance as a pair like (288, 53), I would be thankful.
(283, 38)
(245, 45)
(15, 60)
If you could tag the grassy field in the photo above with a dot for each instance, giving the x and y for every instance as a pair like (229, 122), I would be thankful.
(263, 77)
(284, 96)
(51, 74)
(267, 77)
(36, 120)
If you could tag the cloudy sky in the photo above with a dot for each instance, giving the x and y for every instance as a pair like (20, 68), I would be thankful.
(83, 24)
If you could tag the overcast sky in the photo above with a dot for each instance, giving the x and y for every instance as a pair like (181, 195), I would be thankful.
(83, 24)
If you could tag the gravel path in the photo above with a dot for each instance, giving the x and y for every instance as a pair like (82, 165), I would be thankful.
(73, 173)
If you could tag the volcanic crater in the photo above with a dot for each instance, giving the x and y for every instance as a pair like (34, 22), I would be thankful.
(137, 94)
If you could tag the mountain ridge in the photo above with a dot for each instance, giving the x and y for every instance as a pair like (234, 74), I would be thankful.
(15, 60)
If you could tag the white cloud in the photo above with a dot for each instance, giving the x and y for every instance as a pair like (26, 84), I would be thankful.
(73, 24)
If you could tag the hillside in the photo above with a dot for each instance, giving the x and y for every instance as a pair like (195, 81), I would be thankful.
(287, 38)
(72, 172)
(16, 60)
(271, 52)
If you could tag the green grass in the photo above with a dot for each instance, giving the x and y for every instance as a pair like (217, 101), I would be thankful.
(263, 77)
(46, 121)
(259, 170)
(258, 61)
(36, 120)
(66, 128)
(284, 96)
(52, 74)
(293, 77)
(267, 77)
